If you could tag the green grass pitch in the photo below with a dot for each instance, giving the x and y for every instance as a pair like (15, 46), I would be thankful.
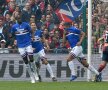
(19, 85)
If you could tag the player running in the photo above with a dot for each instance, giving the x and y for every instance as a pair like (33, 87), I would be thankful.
(75, 37)
(22, 31)
(39, 48)
(104, 62)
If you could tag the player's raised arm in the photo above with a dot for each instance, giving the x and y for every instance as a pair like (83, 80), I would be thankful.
(46, 43)
(66, 26)
(100, 39)
(64, 37)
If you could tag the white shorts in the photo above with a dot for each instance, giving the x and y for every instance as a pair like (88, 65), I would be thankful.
(77, 52)
(28, 50)
(39, 55)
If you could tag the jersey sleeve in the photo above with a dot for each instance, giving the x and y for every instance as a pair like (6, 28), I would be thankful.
(12, 30)
(28, 27)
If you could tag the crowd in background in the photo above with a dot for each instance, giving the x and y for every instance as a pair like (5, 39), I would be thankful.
(42, 12)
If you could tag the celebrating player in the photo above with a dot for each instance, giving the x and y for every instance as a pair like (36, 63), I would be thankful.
(75, 37)
(39, 48)
(22, 31)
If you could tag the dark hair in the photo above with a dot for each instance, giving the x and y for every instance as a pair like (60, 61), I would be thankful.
(67, 24)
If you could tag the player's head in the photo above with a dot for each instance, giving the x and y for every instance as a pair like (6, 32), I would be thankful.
(76, 25)
(33, 26)
(19, 17)
(66, 25)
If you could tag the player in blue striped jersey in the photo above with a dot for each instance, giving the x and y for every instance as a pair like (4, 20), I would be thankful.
(75, 37)
(38, 47)
(22, 32)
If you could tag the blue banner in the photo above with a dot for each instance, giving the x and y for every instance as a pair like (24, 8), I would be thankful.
(68, 10)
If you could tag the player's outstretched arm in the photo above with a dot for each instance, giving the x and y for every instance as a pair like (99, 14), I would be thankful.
(64, 37)
(46, 43)
(100, 39)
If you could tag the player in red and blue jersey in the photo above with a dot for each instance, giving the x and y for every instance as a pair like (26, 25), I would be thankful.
(104, 62)
(75, 37)
(38, 47)
(22, 32)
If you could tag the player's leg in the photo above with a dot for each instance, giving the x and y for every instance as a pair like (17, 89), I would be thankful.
(103, 64)
(98, 78)
(91, 68)
(72, 55)
(32, 62)
(70, 59)
(38, 64)
(104, 61)
(85, 64)
(23, 53)
(48, 66)
(82, 59)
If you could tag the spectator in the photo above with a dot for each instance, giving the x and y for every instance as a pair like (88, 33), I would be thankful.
(3, 30)
(10, 7)
(2, 6)
(35, 9)
(42, 5)
(3, 48)
(26, 13)
(17, 9)
(49, 22)
(12, 46)
(33, 18)
(42, 21)
(46, 33)
(50, 10)
(43, 27)
(54, 43)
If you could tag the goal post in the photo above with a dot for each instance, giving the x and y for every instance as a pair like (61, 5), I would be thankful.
(89, 50)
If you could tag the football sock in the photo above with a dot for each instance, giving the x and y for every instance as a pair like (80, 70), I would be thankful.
(29, 70)
(50, 70)
(71, 66)
(91, 68)
(33, 66)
